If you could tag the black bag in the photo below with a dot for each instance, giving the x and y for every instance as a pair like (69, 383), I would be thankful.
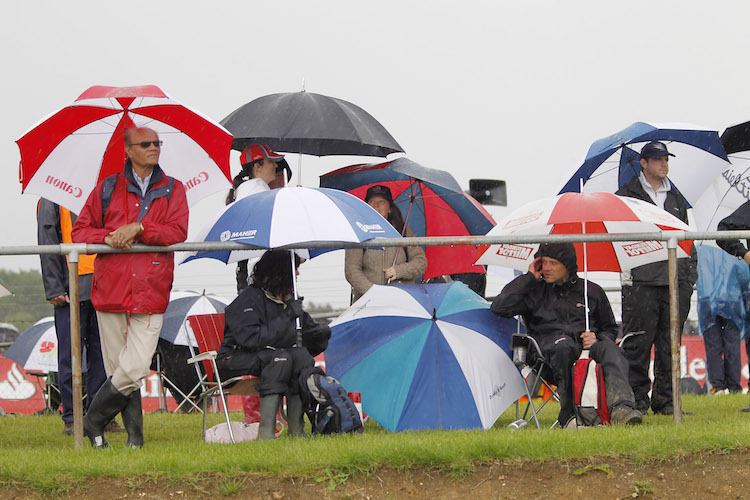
(329, 407)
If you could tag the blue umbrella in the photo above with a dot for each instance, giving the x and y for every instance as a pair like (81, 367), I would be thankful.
(426, 357)
(612, 161)
(184, 304)
(294, 216)
(36, 348)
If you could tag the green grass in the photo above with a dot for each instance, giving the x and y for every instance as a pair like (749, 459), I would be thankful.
(34, 453)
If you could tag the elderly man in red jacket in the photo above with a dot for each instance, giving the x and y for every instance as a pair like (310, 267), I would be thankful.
(130, 291)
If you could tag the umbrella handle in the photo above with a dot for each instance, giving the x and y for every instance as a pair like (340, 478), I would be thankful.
(297, 322)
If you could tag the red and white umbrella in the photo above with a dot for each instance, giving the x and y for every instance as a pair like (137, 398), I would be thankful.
(66, 154)
(587, 213)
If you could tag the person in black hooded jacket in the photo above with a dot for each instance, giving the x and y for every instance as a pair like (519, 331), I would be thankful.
(550, 299)
(260, 338)
(645, 295)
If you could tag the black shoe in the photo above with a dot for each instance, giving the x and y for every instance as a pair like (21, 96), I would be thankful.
(107, 403)
(132, 419)
(669, 410)
(68, 429)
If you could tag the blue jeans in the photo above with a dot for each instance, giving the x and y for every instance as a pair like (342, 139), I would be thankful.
(723, 364)
(95, 374)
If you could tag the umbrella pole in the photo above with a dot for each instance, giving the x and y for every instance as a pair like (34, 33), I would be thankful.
(296, 296)
(75, 348)
(674, 331)
(585, 281)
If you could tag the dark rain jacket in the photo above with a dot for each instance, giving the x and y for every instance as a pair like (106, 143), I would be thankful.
(138, 283)
(254, 322)
(657, 273)
(549, 309)
(737, 221)
(55, 267)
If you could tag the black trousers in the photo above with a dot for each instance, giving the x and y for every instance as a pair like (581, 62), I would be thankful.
(561, 351)
(723, 363)
(278, 369)
(646, 308)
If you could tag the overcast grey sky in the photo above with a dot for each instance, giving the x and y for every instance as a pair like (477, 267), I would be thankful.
(498, 89)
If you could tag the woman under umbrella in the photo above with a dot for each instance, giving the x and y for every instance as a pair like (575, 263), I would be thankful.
(260, 339)
(365, 267)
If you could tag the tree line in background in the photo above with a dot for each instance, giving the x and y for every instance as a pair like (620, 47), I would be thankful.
(28, 305)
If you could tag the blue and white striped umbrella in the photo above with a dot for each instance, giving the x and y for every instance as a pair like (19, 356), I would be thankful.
(184, 304)
(426, 357)
(294, 216)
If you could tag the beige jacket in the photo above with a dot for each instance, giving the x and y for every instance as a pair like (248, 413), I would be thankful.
(365, 267)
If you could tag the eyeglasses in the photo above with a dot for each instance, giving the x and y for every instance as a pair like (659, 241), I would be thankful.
(146, 144)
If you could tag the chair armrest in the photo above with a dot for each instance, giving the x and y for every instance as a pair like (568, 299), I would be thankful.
(202, 357)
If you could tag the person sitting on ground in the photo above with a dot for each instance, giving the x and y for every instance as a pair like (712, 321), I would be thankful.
(364, 267)
(550, 299)
(260, 339)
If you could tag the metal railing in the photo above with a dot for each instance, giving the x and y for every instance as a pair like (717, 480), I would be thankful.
(74, 250)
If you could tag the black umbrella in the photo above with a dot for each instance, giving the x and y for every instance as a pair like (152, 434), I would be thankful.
(736, 138)
(307, 123)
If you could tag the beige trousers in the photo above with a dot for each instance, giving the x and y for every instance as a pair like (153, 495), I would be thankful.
(128, 344)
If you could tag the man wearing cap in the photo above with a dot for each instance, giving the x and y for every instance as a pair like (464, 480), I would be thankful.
(550, 299)
(645, 290)
(262, 170)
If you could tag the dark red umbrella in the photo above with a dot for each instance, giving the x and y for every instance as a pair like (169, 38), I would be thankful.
(432, 204)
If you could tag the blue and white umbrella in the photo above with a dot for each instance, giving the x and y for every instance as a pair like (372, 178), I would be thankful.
(426, 357)
(612, 161)
(294, 216)
(184, 304)
(36, 348)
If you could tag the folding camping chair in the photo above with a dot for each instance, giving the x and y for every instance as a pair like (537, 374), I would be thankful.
(533, 375)
(209, 332)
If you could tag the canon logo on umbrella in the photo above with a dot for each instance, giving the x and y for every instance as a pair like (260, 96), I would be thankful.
(198, 179)
(64, 186)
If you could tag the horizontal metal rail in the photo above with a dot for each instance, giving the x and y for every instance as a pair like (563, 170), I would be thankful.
(211, 246)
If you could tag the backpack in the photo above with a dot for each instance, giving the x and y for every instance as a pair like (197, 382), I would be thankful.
(329, 407)
(589, 392)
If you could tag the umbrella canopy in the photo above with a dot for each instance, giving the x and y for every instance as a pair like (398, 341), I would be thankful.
(612, 161)
(425, 357)
(432, 204)
(36, 348)
(587, 213)
(731, 188)
(307, 123)
(65, 155)
(184, 304)
(294, 216)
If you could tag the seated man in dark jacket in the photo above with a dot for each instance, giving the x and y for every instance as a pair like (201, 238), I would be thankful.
(260, 338)
(550, 299)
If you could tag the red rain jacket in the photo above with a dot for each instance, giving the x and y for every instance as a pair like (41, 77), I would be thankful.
(138, 283)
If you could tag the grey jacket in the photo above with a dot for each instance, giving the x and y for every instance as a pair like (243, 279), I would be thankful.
(365, 267)
(55, 267)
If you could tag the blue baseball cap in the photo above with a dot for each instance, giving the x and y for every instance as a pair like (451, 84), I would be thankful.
(655, 149)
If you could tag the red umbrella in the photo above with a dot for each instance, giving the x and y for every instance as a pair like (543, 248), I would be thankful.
(432, 204)
(587, 213)
(65, 155)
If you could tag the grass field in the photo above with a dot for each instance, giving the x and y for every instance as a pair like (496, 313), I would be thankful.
(35, 455)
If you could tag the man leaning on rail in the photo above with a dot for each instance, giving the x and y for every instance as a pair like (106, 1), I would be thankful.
(131, 291)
